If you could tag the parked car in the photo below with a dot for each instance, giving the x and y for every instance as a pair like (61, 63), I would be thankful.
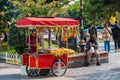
(99, 32)
(99, 29)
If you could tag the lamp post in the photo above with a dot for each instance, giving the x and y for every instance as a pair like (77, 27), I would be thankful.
(81, 14)
(82, 42)
(8, 47)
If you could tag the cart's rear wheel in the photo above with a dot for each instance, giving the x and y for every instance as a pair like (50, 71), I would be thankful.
(32, 72)
(59, 68)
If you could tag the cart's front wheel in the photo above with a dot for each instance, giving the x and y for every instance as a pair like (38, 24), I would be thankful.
(32, 72)
(59, 68)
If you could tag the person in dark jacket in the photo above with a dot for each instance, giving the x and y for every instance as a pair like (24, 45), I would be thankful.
(116, 35)
(92, 30)
(92, 43)
(5, 37)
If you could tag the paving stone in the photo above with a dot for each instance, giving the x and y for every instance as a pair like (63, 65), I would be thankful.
(107, 71)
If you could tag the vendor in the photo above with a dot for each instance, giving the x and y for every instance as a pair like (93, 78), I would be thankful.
(31, 41)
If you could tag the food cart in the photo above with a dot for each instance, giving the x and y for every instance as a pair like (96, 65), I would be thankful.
(55, 60)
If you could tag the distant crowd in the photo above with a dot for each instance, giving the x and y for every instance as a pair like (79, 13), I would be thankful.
(110, 31)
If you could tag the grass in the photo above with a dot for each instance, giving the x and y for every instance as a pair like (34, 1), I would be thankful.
(46, 45)
(12, 50)
(13, 62)
(5, 48)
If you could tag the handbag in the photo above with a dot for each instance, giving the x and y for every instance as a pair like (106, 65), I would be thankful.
(92, 50)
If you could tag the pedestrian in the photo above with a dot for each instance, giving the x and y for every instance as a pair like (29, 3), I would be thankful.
(118, 25)
(116, 35)
(92, 47)
(78, 42)
(92, 30)
(106, 34)
(5, 37)
(31, 42)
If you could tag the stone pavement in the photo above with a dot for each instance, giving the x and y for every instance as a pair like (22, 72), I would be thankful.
(107, 71)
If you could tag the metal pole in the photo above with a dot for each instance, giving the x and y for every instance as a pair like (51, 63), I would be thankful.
(36, 40)
(49, 38)
(81, 14)
(81, 27)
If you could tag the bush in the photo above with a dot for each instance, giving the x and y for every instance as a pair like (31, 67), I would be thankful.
(17, 38)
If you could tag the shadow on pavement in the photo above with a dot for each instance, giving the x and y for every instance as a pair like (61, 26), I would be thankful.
(111, 74)
(22, 77)
(4, 66)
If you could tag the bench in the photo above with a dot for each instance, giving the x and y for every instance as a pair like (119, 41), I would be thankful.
(79, 60)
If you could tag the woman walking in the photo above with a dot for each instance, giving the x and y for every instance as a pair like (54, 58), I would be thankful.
(106, 37)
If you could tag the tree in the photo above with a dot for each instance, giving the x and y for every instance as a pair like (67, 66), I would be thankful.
(7, 14)
(2, 13)
(7, 17)
(40, 8)
(34, 8)
(17, 38)
(95, 11)
(74, 10)
(101, 10)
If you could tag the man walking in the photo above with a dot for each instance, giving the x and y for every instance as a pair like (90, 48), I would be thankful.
(116, 35)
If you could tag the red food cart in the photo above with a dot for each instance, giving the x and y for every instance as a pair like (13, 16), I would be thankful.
(42, 63)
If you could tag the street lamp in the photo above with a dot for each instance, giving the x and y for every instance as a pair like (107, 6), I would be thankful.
(81, 14)
(82, 42)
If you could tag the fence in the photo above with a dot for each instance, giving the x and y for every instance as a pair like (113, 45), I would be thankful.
(11, 57)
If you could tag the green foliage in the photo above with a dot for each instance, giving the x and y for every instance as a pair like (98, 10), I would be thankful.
(16, 9)
(8, 13)
(101, 10)
(5, 48)
(40, 8)
(17, 39)
(46, 45)
(74, 11)
(94, 11)
(2, 24)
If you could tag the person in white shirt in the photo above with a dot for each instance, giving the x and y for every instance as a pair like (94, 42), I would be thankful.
(106, 35)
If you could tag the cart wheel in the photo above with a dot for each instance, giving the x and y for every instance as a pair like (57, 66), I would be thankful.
(32, 72)
(59, 68)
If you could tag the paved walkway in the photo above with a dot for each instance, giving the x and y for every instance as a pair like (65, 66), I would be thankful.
(107, 71)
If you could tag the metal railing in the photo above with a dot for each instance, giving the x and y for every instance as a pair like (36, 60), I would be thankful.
(13, 58)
